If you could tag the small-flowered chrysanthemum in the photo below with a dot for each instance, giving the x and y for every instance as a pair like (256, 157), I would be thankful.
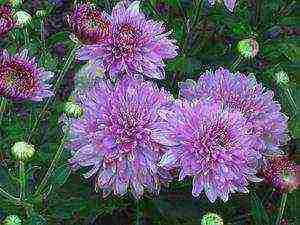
(210, 144)
(113, 136)
(6, 20)
(230, 4)
(282, 173)
(89, 25)
(243, 93)
(248, 48)
(136, 45)
(211, 219)
(22, 79)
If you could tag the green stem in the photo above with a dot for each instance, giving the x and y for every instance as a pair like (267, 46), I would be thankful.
(2, 108)
(137, 222)
(52, 167)
(22, 180)
(26, 37)
(8, 196)
(43, 34)
(236, 63)
(282, 207)
(62, 73)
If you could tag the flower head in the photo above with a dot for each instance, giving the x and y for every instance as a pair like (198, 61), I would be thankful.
(282, 78)
(6, 20)
(136, 45)
(282, 173)
(230, 4)
(210, 144)
(73, 110)
(21, 78)
(113, 136)
(248, 48)
(211, 219)
(22, 18)
(23, 151)
(242, 93)
(12, 220)
(89, 25)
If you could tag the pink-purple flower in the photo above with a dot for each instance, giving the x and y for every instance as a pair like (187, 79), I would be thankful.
(6, 20)
(243, 93)
(282, 173)
(210, 143)
(22, 79)
(230, 4)
(113, 138)
(89, 25)
(136, 44)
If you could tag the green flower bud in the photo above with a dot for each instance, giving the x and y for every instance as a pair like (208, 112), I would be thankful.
(248, 48)
(12, 220)
(23, 151)
(282, 78)
(15, 3)
(22, 18)
(73, 110)
(211, 219)
(41, 13)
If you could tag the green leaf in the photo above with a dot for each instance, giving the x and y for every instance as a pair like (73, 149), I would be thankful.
(36, 219)
(259, 214)
(59, 37)
(60, 176)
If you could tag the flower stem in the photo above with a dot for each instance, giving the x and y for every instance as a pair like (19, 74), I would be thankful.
(2, 108)
(137, 222)
(52, 167)
(61, 74)
(43, 34)
(22, 180)
(236, 63)
(26, 37)
(282, 207)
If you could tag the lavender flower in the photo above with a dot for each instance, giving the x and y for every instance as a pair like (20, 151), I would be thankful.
(21, 78)
(282, 173)
(89, 25)
(6, 20)
(113, 136)
(230, 4)
(209, 143)
(136, 45)
(242, 93)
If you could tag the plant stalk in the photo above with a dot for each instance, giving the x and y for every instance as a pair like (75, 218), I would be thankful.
(282, 207)
(2, 108)
(22, 180)
(236, 63)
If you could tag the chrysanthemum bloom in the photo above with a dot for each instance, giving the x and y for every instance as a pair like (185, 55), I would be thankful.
(243, 93)
(282, 173)
(230, 4)
(21, 78)
(90, 25)
(6, 20)
(210, 144)
(248, 48)
(113, 136)
(211, 219)
(137, 45)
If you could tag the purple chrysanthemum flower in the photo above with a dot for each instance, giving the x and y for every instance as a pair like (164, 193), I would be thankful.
(243, 93)
(282, 173)
(209, 143)
(136, 45)
(113, 136)
(6, 20)
(89, 24)
(22, 79)
(230, 4)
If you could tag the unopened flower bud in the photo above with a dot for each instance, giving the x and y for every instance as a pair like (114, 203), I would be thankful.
(248, 48)
(15, 3)
(22, 18)
(23, 151)
(41, 13)
(282, 78)
(12, 220)
(211, 219)
(73, 110)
